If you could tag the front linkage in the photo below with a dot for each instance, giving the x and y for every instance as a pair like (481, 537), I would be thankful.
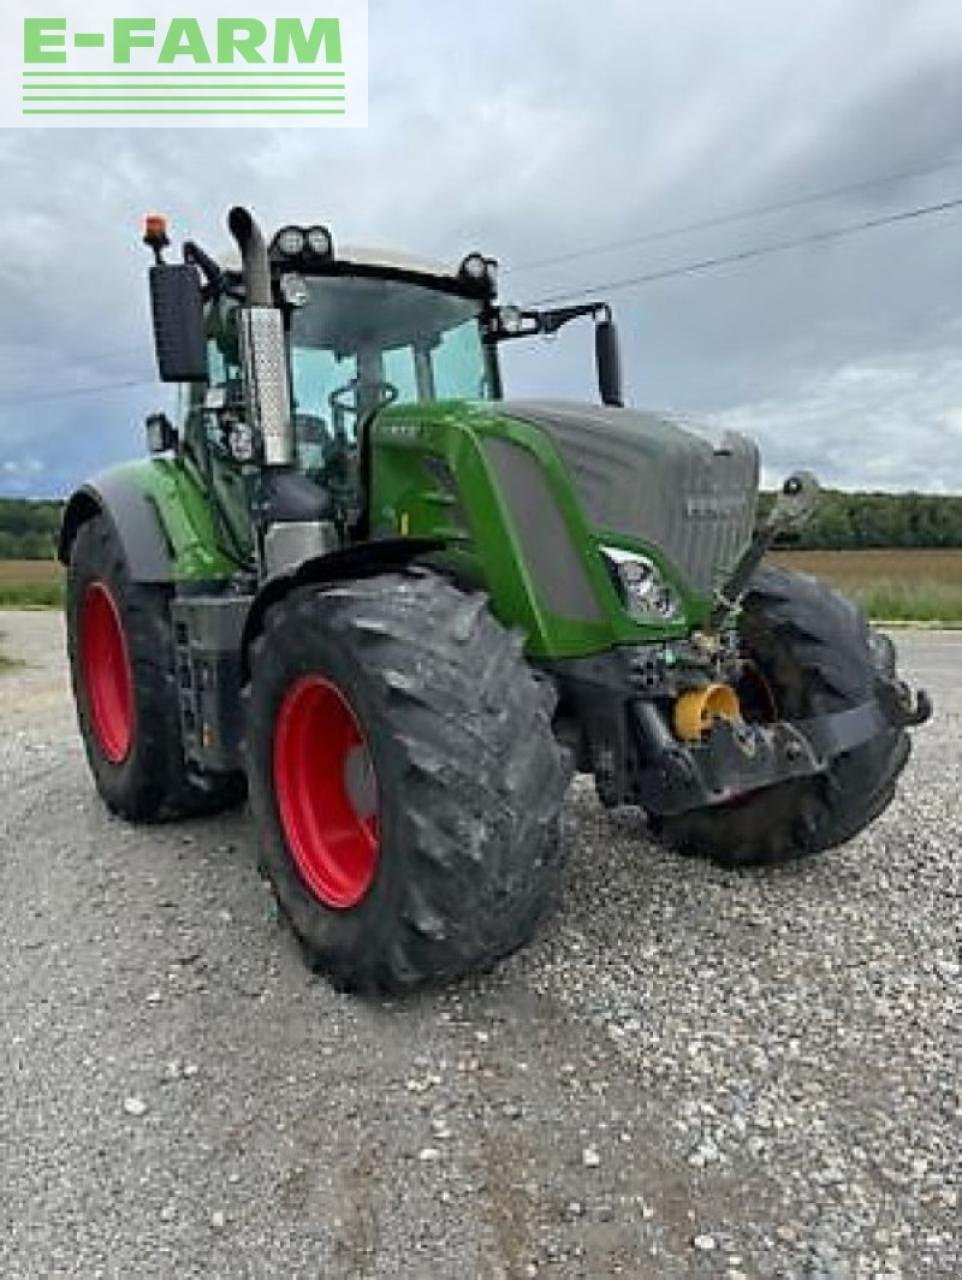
(663, 726)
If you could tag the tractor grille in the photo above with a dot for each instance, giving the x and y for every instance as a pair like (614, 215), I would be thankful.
(647, 476)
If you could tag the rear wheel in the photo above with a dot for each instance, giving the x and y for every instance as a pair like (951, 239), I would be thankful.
(812, 653)
(405, 780)
(121, 651)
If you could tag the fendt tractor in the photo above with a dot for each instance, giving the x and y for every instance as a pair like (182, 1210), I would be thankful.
(398, 611)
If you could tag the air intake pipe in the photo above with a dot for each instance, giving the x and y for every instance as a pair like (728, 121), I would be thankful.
(253, 251)
(263, 352)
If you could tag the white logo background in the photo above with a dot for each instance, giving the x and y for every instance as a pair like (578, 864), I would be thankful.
(91, 90)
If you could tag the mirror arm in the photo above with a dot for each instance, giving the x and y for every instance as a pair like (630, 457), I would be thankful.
(552, 321)
(544, 323)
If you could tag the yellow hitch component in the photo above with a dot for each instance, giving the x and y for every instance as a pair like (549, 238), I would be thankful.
(697, 710)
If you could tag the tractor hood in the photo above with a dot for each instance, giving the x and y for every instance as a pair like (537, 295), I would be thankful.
(651, 477)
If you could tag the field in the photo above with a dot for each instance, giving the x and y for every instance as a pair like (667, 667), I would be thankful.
(30, 584)
(892, 585)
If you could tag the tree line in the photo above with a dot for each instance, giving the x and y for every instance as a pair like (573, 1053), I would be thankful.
(851, 521)
(28, 528)
(843, 521)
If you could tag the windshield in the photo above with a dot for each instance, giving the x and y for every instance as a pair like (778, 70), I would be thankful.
(360, 344)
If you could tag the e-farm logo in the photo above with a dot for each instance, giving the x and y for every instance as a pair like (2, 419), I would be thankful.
(93, 64)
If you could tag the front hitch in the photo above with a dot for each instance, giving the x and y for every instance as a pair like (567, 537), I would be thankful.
(902, 707)
(735, 757)
(793, 508)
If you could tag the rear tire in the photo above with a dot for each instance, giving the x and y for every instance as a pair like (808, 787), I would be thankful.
(817, 655)
(461, 780)
(122, 667)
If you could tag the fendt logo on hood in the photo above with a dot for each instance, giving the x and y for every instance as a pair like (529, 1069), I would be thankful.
(93, 65)
(715, 506)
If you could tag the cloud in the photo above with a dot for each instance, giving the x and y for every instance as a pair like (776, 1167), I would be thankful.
(21, 475)
(532, 129)
(893, 423)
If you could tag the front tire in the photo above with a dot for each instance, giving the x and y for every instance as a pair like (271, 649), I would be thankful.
(816, 654)
(121, 650)
(405, 780)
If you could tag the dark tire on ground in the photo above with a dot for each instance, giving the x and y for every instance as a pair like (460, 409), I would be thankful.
(139, 765)
(469, 778)
(817, 654)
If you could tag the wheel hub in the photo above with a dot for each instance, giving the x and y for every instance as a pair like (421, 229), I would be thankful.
(327, 794)
(107, 674)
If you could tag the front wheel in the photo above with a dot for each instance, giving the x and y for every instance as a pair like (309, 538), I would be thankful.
(812, 653)
(404, 778)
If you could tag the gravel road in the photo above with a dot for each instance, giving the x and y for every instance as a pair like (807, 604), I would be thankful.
(692, 1073)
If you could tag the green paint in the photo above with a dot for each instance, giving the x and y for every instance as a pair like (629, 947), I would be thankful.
(178, 495)
(132, 33)
(473, 520)
(235, 40)
(44, 39)
(177, 97)
(180, 111)
(459, 503)
(257, 75)
(243, 36)
(184, 39)
(291, 39)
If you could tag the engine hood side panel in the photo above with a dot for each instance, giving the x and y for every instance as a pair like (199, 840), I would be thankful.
(649, 476)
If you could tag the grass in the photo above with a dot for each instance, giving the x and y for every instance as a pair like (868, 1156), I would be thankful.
(892, 586)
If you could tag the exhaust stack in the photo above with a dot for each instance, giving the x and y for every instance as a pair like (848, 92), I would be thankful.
(263, 353)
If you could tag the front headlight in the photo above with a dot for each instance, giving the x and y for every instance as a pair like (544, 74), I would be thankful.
(320, 242)
(646, 594)
(290, 241)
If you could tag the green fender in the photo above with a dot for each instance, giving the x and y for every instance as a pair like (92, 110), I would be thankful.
(162, 519)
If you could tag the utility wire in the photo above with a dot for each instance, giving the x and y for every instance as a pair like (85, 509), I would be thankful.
(759, 251)
(611, 286)
(733, 215)
(77, 391)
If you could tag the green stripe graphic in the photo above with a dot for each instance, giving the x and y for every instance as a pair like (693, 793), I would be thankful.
(188, 111)
(208, 91)
(253, 74)
(215, 86)
(166, 97)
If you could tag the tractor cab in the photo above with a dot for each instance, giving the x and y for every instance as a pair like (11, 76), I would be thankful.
(366, 329)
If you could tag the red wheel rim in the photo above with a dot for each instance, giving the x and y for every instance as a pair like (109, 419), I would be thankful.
(107, 674)
(326, 792)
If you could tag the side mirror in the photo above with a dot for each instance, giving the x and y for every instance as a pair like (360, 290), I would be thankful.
(177, 306)
(608, 356)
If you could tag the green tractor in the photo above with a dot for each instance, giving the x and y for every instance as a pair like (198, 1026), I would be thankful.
(398, 611)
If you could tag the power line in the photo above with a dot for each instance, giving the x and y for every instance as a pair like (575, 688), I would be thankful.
(77, 391)
(100, 357)
(611, 286)
(744, 255)
(733, 215)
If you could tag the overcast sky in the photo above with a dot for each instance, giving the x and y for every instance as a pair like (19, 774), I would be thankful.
(529, 129)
